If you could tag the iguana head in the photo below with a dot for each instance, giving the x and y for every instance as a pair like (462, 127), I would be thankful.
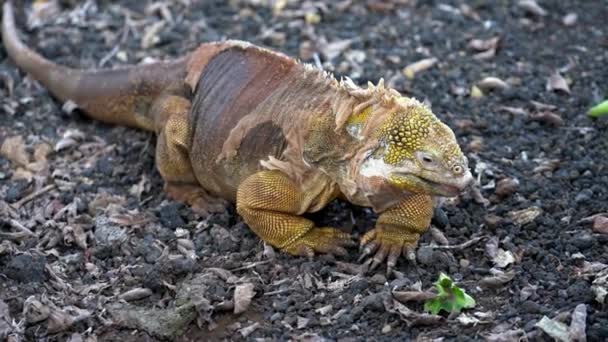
(415, 153)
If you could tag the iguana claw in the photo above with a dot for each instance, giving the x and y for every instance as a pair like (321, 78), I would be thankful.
(324, 240)
(385, 244)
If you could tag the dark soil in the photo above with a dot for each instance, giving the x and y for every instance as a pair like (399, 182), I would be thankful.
(104, 227)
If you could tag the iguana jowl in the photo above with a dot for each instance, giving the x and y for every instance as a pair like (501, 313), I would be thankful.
(279, 138)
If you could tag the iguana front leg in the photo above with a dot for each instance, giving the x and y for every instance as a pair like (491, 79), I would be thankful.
(397, 230)
(271, 204)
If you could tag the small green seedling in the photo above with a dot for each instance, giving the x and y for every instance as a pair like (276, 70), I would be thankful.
(599, 110)
(450, 298)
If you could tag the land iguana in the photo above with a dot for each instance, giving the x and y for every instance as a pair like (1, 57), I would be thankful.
(279, 138)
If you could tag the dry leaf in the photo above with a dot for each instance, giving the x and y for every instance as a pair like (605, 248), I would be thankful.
(525, 216)
(542, 106)
(491, 83)
(413, 296)
(411, 70)
(532, 7)
(65, 318)
(483, 45)
(600, 285)
(6, 326)
(242, 297)
(438, 236)
(487, 48)
(150, 36)
(75, 234)
(136, 294)
(497, 279)
(70, 138)
(142, 186)
(553, 328)
(246, 331)
(578, 323)
(335, 48)
(13, 149)
(550, 118)
(506, 186)
(513, 110)
(411, 317)
(491, 247)
(557, 82)
(507, 336)
(503, 258)
(41, 12)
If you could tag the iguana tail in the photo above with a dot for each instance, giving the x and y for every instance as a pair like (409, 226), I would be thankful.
(121, 96)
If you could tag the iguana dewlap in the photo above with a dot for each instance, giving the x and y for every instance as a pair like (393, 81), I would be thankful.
(279, 138)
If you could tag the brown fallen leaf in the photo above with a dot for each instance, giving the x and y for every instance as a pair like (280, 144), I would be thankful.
(13, 149)
(525, 216)
(548, 117)
(413, 296)
(506, 186)
(411, 317)
(542, 106)
(557, 82)
(497, 279)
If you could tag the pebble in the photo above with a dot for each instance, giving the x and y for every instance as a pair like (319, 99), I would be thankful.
(170, 217)
(26, 268)
(584, 196)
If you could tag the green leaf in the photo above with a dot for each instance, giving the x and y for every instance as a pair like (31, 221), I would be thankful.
(450, 297)
(599, 110)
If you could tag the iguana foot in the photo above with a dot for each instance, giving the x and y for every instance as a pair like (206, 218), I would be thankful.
(388, 243)
(397, 231)
(197, 198)
(324, 240)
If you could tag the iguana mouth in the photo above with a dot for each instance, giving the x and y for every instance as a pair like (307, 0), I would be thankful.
(451, 188)
(443, 189)
(446, 189)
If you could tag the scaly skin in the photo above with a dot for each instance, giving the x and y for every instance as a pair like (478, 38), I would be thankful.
(248, 125)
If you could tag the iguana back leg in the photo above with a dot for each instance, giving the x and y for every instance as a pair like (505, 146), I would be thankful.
(172, 158)
(271, 204)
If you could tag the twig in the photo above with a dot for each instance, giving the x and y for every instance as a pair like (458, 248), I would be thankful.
(116, 48)
(462, 245)
(17, 225)
(275, 292)
(33, 195)
(251, 265)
